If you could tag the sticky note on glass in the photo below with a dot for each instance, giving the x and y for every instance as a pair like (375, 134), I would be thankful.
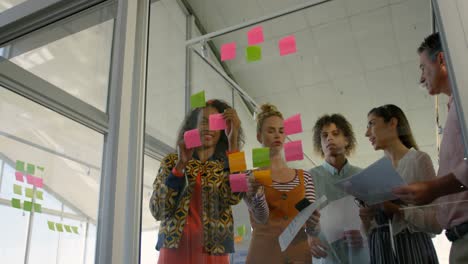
(263, 177)
(29, 193)
(198, 100)
(287, 45)
(31, 169)
(192, 138)
(238, 182)
(293, 150)
(228, 51)
(293, 125)
(17, 189)
(16, 203)
(37, 208)
(19, 176)
(51, 225)
(19, 165)
(238, 239)
(261, 157)
(40, 168)
(75, 229)
(253, 53)
(59, 227)
(30, 179)
(217, 122)
(237, 162)
(255, 35)
(27, 206)
(241, 230)
(68, 228)
(39, 195)
(38, 182)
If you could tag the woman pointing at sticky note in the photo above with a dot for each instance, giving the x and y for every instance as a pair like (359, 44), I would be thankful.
(191, 183)
(274, 191)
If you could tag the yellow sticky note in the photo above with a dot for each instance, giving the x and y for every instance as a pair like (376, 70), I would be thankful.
(263, 177)
(237, 162)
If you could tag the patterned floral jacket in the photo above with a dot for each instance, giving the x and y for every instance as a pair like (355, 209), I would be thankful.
(171, 200)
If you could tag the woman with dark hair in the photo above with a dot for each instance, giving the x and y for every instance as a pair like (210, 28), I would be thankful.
(399, 236)
(191, 195)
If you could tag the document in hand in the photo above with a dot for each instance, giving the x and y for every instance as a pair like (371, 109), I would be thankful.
(374, 184)
(339, 216)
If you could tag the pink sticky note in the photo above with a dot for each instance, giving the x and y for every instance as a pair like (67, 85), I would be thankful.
(228, 51)
(192, 138)
(287, 45)
(30, 179)
(255, 35)
(293, 150)
(38, 182)
(19, 176)
(217, 122)
(238, 182)
(293, 125)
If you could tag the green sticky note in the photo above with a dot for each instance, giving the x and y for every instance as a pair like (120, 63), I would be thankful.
(29, 193)
(20, 165)
(68, 228)
(27, 206)
(261, 157)
(198, 100)
(241, 230)
(17, 189)
(37, 208)
(40, 168)
(59, 227)
(39, 195)
(31, 169)
(253, 53)
(51, 225)
(16, 203)
(75, 229)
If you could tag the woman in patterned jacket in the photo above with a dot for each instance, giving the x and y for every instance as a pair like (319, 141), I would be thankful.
(191, 195)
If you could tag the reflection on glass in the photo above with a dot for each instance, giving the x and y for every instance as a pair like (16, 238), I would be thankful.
(7, 4)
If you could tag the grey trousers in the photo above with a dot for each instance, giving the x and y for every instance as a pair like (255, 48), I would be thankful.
(459, 251)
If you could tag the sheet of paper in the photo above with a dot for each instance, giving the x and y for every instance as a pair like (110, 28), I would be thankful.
(228, 51)
(217, 122)
(374, 184)
(293, 150)
(298, 222)
(198, 100)
(255, 35)
(192, 138)
(287, 45)
(263, 177)
(339, 216)
(237, 162)
(261, 157)
(293, 125)
(253, 53)
(238, 182)
(19, 176)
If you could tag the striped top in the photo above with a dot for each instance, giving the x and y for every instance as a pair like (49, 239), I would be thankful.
(258, 205)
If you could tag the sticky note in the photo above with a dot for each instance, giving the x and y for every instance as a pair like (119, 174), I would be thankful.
(192, 138)
(263, 177)
(238, 182)
(217, 122)
(30, 179)
(17, 189)
(51, 225)
(241, 230)
(287, 45)
(261, 157)
(59, 227)
(75, 229)
(39, 195)
(37, 208)
(228, 51)
(29, 193)
(40, 168)
(293, 125)
(31, 169)
(19, 165)
(19, 176)
(255, 35)
(38, 182)
(237, 162)
(198, 100)
(68, 228)
(253, 53)
(16, 203)
(27, 206)
(238, 239)
(293, 150)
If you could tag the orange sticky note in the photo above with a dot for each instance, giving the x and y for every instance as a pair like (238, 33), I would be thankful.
(238, 239)
(263, 177)
(237, 162)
